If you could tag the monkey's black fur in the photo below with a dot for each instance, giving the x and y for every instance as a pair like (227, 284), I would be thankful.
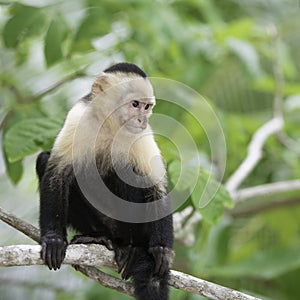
(126, 68)
(143, 251)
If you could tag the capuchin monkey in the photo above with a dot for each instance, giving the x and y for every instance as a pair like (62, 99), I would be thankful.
(108, 131)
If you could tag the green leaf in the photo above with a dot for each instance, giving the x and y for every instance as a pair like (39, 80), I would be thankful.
(182, 178)
(14, 171)
(28, 136)
(247, 54)
(26, 21)
(94, 25)
(210, 197)
(53, 43)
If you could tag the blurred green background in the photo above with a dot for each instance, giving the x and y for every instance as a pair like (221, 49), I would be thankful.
(226, 50)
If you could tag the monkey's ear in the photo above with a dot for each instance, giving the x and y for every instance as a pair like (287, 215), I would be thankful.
(100, 85)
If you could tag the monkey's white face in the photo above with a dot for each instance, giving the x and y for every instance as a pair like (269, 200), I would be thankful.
(138, 113)
(137, 102)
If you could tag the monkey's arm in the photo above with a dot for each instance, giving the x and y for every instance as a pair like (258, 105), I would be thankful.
(161, 243)
(54, 190)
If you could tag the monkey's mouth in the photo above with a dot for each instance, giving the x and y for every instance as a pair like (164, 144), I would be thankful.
(135, 129)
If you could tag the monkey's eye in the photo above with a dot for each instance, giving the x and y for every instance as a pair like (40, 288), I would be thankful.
(135, 103)
(147, 106)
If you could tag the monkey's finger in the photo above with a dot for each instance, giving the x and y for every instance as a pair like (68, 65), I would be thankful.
(54, 256)
(158, 263)
(64, 250)
(122, 255)
(49, 257)
(108, 244)
(43, 252)
(61, 248)
(127, 270)
(122, 264)
(163, 267)
(59, 257)
(157, 253)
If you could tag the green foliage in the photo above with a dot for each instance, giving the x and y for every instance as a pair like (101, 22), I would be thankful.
(14, 170)
(210, 198)
(93, 25)
(223, 50)
(53, 42)
(28, 136)
(25, 22)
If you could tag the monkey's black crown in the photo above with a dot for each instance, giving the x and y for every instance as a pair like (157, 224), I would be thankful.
(126, 68)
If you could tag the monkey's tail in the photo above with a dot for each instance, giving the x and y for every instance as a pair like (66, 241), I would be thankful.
(148, 286)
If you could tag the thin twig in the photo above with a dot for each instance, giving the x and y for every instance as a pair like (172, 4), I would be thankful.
(55, 86)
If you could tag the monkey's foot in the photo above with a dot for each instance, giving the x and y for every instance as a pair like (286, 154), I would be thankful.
(163, 258)
(86, 239)
(125, 258)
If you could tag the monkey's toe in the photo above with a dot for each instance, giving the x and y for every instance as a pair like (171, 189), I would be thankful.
(163, 257)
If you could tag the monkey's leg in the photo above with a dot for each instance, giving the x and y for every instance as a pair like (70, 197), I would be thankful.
(89, 239)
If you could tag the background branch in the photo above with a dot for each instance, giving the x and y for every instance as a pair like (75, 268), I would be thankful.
(269, 190)
(254, 153)
(56, 85)
(20, 225)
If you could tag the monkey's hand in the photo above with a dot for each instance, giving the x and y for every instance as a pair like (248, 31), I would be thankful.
(53, 250)
(163, 258)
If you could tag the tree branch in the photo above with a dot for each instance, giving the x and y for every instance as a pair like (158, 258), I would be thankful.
(254, 153)
(267, 190)
(34, 233)
(88, 255)
(97, 255)
(20, 225)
